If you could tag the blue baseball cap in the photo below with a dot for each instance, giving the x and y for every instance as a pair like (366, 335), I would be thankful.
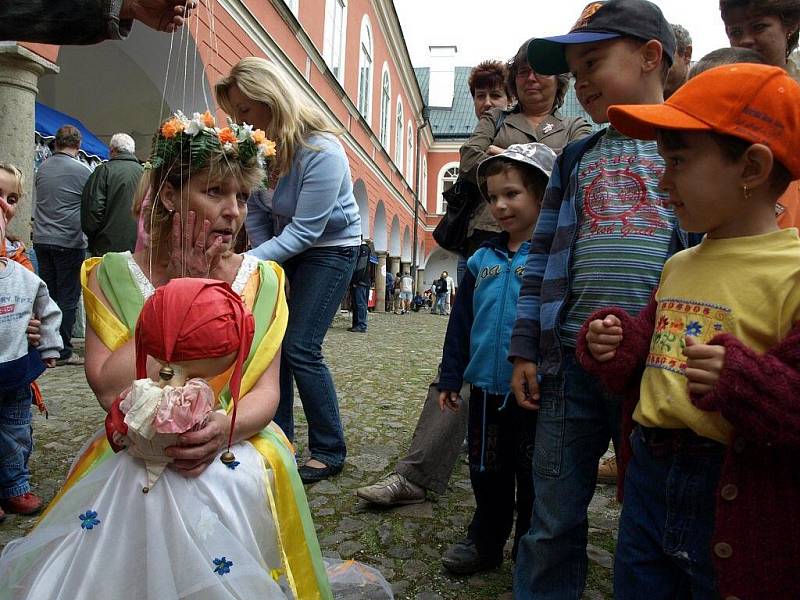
(600, 21)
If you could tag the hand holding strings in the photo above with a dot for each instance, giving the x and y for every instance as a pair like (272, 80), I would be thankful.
(161, 15)
(190, 255)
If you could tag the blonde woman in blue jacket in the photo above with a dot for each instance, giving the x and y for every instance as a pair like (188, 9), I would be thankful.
(500, 434)
(315, 226)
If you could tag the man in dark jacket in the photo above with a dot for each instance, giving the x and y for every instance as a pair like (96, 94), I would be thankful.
(107, 199)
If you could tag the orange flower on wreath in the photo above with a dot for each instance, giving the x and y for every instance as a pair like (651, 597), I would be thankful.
(268, 147)
(171, 128)
(259, 137)
(208, 119)
(226, 136)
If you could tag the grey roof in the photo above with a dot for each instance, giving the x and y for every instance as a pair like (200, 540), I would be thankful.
(458, 122)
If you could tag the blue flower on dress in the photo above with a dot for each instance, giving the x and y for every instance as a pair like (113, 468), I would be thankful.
(693, 329)
(89, 519)
(232, 465)
(222, 565)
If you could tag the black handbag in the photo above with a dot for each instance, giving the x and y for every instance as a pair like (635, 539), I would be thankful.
(462, 200)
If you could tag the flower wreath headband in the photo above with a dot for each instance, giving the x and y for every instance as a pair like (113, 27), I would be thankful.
(200, 137)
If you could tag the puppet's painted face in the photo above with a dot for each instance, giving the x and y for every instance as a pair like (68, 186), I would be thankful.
(204, 368)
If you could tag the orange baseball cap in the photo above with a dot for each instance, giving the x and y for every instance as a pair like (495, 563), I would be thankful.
(757, 103)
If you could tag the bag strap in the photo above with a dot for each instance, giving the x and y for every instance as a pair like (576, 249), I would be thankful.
(499, 122)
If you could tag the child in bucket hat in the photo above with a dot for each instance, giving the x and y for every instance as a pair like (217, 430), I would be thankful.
(500, 433)
(602, 237)
(717, 411)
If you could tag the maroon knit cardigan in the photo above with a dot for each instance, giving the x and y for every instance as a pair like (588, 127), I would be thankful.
(756, 542)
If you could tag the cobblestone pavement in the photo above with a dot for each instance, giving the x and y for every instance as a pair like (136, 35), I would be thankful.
(382, 378)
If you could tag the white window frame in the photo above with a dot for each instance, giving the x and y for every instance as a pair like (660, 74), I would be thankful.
(294, 6)
(440, 205)
(334, 37)
(385, 124)
(399, 142)
(410, 156)
(366, 64)
(423, 191)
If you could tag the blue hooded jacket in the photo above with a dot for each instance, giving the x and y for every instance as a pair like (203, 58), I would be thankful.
(479, 330)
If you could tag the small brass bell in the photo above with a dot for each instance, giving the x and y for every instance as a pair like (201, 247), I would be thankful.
(166, 372)
(227, 457)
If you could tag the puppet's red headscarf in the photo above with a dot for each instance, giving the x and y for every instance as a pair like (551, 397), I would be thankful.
(189, 319)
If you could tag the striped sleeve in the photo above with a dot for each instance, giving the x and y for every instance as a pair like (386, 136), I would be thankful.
(527, 327)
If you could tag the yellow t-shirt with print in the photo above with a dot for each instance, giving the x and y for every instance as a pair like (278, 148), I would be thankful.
(747, 286)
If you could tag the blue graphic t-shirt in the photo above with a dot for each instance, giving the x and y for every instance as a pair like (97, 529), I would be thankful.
(624, 230)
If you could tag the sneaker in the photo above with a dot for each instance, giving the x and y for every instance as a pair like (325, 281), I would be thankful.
(463, 558)
(607, 470)
(73, 360)
(393, 490)
(356, 330)
(26, 504)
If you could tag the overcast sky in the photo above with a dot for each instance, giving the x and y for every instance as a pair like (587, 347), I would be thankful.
(496, 29)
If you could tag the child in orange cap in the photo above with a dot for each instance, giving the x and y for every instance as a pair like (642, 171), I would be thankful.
(713, 480)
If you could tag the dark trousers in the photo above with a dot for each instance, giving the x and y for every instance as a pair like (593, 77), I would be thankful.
(664, 546)
(500, 438)
(60, 268)
(360, 297)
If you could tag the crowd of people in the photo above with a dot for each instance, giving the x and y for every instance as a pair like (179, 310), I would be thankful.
(638, 285)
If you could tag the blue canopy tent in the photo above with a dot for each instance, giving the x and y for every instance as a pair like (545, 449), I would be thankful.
(48, 120)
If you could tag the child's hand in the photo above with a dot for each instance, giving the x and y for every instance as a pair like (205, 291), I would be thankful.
(33, 331)
(49, 362)
(450, 400)
(604, 337)
(704, 364)
(525, 384)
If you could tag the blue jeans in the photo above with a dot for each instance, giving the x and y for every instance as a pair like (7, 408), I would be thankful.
(60, 268)
(360, 295)
(440, 303)
(16, 441)
(576, 420)
(318, 280)
(664, 545)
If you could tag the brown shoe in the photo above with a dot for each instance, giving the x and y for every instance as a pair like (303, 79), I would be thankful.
(607, 470)
(26, 504)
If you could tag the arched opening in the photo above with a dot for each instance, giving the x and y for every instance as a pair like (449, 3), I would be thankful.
(360, 193)
(394, 237)
(440, 260)
(380, 235)
(407, 247)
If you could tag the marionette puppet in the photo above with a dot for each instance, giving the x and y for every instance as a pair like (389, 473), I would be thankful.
(197, 329)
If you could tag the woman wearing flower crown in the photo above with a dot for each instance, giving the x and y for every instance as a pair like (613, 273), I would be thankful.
(207, 529)
(317, 231)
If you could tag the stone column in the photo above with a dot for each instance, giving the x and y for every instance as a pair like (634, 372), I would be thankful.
(20, 70)
(394, 264)
(420, 279)
(380, 283)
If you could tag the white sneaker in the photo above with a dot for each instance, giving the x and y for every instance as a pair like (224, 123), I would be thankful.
(392, 490)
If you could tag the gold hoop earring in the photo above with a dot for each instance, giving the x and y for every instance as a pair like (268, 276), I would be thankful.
(746, 193)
